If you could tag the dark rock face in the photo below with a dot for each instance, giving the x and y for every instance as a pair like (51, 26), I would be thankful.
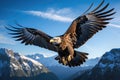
(18, 67)
(108, 68)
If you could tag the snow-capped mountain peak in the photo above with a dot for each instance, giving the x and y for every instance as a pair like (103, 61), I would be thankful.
(13, 65)
(108, 68)
(110, 59)
(19, 62)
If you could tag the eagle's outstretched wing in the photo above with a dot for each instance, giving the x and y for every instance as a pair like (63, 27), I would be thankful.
(85, 26)
(30, 36)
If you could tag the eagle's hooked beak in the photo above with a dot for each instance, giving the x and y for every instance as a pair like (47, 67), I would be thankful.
(52, 40)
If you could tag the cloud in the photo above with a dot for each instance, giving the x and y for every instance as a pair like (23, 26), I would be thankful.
(5, 40)
(114, 25)
(61, 15)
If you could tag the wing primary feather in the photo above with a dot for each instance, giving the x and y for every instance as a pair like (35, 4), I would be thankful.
(23, 41)
(26, 42)
(88, 9)
(104, 19)
(15, 33)
(86, 26)
(19, 39)
(100, 22)
(19, 25)
(105, 12)
(11, 29)
(98, 6)
(97, 26)
(31, 36)
(14, 27)
(102, 9)
(106, 15)
(26, 39)
(17, 36)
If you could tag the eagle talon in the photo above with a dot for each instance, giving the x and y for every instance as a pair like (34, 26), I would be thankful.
(64, 61)
(69, 58)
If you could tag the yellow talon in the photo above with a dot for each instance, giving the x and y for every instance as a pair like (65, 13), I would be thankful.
(64, 61)
(69, 58)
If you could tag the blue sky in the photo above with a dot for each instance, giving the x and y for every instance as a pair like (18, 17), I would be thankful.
(54, 17)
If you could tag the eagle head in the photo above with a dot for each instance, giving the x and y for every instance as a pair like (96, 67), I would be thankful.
(56, 40)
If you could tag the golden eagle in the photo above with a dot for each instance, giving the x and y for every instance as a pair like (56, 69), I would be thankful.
(81, 29)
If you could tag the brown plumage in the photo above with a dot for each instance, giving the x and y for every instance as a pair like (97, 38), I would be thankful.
(81, 29)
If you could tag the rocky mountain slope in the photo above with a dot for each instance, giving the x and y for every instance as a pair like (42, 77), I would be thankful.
(108, 68)
(18, 67)
(61, 71)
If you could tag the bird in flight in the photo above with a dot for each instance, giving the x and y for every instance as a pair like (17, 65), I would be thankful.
(81, 29)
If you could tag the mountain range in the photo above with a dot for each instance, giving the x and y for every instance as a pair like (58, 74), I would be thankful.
(60, 69)
(108, 68)
(14, 66)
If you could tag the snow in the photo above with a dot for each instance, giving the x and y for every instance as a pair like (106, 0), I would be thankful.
(17, 56)
(26, 64)
(33, 61)
(37, 57)
(15, 67)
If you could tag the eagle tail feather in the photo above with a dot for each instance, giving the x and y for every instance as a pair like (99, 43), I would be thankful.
(79, 58)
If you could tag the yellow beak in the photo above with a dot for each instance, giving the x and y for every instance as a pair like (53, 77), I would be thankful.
(51, 40)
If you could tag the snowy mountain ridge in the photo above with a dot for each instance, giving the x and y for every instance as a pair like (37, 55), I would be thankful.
(110, 60)
(108, 68)
(20, 62)
(13, 65)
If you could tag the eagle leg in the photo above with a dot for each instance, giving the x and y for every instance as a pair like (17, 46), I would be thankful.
(70, 52)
